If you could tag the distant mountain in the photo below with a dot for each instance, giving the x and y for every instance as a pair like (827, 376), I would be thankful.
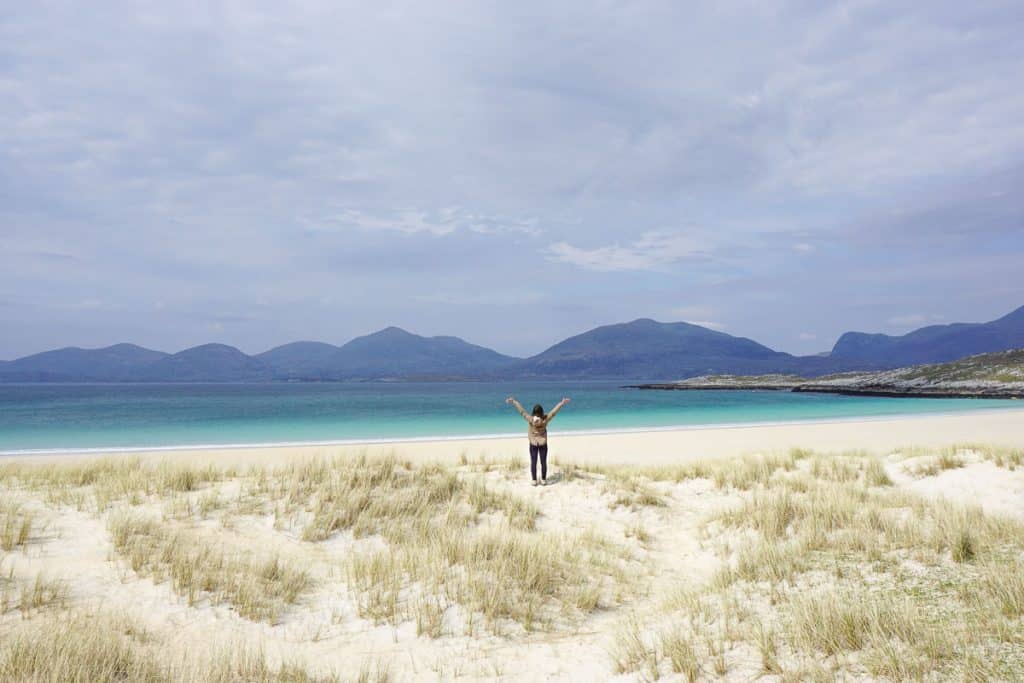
(72, 364)
(933, 344)
(393, 352)
(300, 360)
(646, 349)
(206, 363)
(641, 349)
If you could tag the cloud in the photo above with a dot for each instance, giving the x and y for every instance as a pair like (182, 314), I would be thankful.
(513, 298)
(907, 320)
(913, 320)
(440, 223)
(710, 324)
(691, 311)
(407, 221)
(653, 250)
(807, 336)
(288, 152)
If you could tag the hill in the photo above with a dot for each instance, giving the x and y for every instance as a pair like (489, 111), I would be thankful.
(306, 360)
(206, 363)
(932, 344)
(641, 349)
(388, 353)
(647, 348)
(112, 363)
(393, 352)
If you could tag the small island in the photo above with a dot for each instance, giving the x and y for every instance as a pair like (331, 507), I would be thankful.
(988, 375)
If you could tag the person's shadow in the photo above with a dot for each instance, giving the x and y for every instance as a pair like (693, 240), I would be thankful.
(555, 478)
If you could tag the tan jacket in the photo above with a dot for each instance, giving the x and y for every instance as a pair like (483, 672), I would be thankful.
(537, 427)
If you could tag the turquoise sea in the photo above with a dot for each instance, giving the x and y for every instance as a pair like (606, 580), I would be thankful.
(81, 417)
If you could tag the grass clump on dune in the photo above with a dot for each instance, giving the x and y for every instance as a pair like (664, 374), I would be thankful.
(16, 526)
(97, 484)
(842, 520)
(840, 574)
(79, 649)
(452, 542)
(632, 491)
(28, 596)
(429, 543)
(108, 648)
(378, 496)
(258, 589)
(448, 540)
(1007, 457)
(530, 578)
(948, 459)
(754, 470)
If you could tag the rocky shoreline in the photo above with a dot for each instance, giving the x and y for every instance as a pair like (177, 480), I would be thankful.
(883, 391)
(991, 375)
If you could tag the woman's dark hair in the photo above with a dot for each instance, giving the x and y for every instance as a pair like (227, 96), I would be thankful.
(538, 410)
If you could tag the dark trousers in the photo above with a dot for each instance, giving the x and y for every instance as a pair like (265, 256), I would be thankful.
(542, 451)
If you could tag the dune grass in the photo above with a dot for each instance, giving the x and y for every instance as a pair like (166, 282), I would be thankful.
(741, 473)
(533, 579)
(448, 540)
(631, 491)
(841, 574)
(79, 647)
(929, 466)
(1007, 457)
(16, 526)
(751, 471)
(932, 461)
(29, 596)
(258, 589)
(826, 569)
(96, 485)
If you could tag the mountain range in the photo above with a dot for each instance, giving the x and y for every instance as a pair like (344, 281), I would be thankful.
(641, 349)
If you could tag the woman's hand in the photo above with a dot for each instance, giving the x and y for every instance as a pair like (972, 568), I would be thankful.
(510, 400)
(566, 399)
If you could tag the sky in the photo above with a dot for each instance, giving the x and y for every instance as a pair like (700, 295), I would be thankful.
(513, 173)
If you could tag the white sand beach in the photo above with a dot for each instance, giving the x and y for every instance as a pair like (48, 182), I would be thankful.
(642, 559)
(647, 448)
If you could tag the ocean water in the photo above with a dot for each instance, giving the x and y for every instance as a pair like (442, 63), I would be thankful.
(77, 416)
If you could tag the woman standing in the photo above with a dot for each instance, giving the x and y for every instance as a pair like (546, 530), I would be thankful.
(537, 433)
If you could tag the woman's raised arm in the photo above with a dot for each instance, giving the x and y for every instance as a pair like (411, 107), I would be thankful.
(519, 407)
(558, 407)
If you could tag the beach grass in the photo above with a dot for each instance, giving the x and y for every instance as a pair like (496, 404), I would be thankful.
(28, 595)
(447, 540)
(16, 525)
(260, 589)
(792, 566)
(80, 647)
(433, 540)
(842, 575)
(933, 461)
